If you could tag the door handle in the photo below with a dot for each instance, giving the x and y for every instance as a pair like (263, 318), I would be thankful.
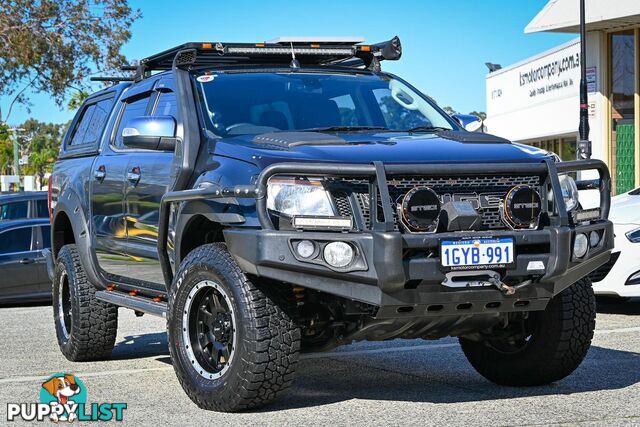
(27, 261)
(100, 173)
(134, 176)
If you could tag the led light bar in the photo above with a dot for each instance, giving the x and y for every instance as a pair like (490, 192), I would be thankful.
(287, 51)
(322, 222)
(586, 215)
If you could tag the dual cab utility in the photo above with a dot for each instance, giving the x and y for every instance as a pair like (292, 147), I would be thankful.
(290, 196)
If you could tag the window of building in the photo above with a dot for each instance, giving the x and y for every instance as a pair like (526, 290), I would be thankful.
(622, 88)
(565, 148)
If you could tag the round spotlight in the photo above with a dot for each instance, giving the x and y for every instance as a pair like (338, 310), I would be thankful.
(580, 245)
(522, 207)
(338, 254)
(306, 248)
(419, 209)
(594, 239)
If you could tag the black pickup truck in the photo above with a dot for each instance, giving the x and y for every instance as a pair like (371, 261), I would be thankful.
(289, 196)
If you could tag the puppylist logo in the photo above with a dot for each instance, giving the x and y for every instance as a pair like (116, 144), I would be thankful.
(63, 397)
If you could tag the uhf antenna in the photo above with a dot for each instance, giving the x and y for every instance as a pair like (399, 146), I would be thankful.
(294, 62)
(584, 145)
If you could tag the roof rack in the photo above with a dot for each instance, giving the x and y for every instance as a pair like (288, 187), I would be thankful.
(345, 51)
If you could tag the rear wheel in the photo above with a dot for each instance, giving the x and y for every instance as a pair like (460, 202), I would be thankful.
(86, 328)
(538, 348)
(234, 343)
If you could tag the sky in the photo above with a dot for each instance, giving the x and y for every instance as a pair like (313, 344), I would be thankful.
(445, 42)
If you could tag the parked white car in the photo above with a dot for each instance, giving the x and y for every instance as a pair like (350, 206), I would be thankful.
(621, 275)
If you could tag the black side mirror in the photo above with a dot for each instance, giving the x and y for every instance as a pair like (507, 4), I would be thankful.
(150, 133)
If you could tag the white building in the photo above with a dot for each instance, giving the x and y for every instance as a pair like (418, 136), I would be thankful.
(536, 101)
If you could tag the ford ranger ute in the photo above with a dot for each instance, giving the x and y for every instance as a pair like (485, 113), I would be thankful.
(289, 196)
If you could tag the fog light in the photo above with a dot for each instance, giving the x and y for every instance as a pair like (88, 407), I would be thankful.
(338, 254)
(306, 248)
(594, 239)
(580, 245)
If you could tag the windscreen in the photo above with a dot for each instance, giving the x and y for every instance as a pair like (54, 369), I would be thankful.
(253, 103)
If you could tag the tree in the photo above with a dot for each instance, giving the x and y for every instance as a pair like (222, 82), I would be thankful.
(41, 144)
(6, 150)
(76, 100)
(449, 110)
(480, 114)
(51, 46)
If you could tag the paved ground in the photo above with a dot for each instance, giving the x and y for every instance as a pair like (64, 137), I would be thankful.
(399, 382)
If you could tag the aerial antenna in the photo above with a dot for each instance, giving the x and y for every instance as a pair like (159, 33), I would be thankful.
(294, 62)
(584, 145)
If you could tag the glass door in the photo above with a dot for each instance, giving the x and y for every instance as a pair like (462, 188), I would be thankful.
(622, 87)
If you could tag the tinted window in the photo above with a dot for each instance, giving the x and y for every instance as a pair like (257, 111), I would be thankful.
(92, 123)
(42, 209)
(14, 210)
(132, 109)
(18, 240)
(167, 105)
(46, 236)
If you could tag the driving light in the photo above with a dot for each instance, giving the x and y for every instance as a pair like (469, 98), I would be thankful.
(292, 196)
(522, 207)
(594, 238)
(338, 254)
(306, 248)
(634, 235)
(580, 245)
(569, 192)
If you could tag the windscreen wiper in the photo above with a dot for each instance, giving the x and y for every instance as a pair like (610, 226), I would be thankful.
(427, 129)
(342, 128)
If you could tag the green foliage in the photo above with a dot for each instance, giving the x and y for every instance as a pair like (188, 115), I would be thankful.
(49, 46)
(76, 100)
(480, 114)
(6, 150)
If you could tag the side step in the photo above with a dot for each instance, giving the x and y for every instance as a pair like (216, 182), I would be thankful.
(136, 303)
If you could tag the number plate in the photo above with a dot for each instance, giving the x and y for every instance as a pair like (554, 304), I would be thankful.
(476, 253)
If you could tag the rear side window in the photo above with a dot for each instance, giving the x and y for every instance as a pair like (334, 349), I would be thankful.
(132, 109)
(91, 124)
(14, 210)
(42, 210)
(18, 240)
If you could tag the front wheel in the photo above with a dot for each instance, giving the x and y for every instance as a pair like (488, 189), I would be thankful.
(538, 348)
(234, 344)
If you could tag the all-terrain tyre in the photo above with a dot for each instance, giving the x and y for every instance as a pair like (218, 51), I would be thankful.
(86, 327)
(234, 343)
(557, 340)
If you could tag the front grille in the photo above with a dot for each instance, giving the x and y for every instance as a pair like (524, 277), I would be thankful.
(601, 272)
(484, 192)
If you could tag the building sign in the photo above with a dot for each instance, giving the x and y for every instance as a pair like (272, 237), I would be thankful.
(548, 77)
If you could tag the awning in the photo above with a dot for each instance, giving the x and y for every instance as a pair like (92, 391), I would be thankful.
(562, 16)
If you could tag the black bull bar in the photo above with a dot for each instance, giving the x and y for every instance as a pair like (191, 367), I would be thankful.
(378, 172)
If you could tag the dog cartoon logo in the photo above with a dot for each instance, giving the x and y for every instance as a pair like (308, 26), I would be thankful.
(63, 391)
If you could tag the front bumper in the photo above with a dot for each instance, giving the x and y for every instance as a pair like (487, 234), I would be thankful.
(413, 286)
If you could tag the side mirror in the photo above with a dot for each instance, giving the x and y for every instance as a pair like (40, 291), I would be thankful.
(469, 122)
(150, 133)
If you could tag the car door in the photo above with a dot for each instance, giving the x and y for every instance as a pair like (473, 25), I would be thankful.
(42, 235)
(108, 195)
(18, 267)
(148, 179)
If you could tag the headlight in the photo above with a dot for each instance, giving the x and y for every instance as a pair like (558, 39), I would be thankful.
(634, 235)
(569, 192)
(292, 197)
